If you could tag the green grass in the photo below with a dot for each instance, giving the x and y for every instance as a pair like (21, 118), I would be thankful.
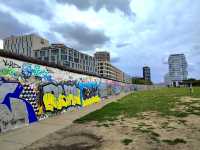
(127, 141)
(161, 100)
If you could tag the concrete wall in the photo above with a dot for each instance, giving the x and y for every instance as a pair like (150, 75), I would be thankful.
(30, 92)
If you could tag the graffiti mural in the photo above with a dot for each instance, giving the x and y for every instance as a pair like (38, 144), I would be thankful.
(30, 92)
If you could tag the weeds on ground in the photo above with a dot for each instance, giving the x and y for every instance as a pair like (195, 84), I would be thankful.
(127, 141)
(175, 141)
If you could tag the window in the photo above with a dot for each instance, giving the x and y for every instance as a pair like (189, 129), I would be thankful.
(75, 54)
(81, 56)
(46, 58)
(42, 41)
(42, 53)
(36, 54)
(86, 57)
(64, 57)
(53, 58)
(63, 51)
(70, 58)
(54, 52)
(66, 63)
(76, 60)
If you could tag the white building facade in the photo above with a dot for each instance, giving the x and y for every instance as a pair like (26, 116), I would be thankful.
(177, 69)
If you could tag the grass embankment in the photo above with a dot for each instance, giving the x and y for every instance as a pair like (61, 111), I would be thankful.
(161, 100)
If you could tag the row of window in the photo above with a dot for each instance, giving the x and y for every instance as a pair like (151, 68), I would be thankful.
(70, 52)
(18, 46)
(64, 58)
(18, 40)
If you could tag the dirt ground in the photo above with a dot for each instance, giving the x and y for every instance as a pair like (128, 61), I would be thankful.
(147, 131)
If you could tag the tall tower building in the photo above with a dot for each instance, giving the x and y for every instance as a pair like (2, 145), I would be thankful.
(177, 68)
(24, 44)
(147, 73)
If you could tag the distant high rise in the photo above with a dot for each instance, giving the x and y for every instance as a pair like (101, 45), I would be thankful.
(102, 56)
(24, 44)
(177, 69)
(147, 73)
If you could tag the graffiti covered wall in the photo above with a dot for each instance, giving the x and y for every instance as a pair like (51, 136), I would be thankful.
(30, 92)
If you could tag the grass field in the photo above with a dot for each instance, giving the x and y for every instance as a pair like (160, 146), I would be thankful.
(161, 100)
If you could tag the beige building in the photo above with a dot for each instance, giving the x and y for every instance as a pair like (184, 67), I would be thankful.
(102, 56)
(106, 69)
(24, 44)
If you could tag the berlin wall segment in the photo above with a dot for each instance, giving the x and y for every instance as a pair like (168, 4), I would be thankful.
(28, 92)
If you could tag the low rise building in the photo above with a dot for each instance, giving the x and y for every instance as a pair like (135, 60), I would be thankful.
(106, 69)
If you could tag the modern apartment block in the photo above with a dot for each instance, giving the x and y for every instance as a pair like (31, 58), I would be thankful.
(147, 73)
(102, 56)
(177, 69)
(68, 57)
(24, 44)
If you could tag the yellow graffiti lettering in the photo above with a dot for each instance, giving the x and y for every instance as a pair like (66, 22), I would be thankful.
(91, 101)
(51, 102)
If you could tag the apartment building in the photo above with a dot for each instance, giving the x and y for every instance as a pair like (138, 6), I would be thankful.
(177, 69)
(68, 57)
(24, 44)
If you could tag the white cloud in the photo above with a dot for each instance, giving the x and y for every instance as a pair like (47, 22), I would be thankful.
(70, 14)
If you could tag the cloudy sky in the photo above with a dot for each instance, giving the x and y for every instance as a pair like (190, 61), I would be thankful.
(136, 33)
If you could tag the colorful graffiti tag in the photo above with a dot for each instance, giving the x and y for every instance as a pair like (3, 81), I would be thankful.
(29, 70)
(89, 93)
(57, 97)
(16, 109)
